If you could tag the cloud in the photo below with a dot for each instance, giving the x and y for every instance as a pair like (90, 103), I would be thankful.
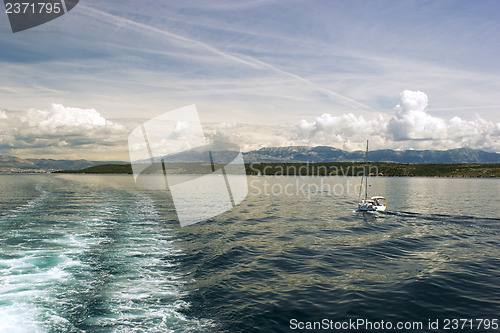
(59, 130)
(250, 136)
(476, 133)
(411, 122)
(411, 127)
(61, 120)
(70, 132)
(223, 127)
(223, 131)
(328, 129)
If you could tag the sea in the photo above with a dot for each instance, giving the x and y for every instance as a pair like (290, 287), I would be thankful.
(96, 253)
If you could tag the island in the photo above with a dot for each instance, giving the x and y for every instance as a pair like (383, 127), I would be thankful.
(332, 169)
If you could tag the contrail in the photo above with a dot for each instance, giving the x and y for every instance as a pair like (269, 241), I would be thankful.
(326, 91)
(252, 62)
(168, 34)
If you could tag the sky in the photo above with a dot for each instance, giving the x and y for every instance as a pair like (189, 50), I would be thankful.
(404, 74)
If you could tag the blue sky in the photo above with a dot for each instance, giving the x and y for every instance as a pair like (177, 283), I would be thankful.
(278, 72)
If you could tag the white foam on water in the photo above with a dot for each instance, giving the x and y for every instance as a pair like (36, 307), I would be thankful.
(17, 319)
(33, 203)
(24, 288)
(38, 284)
(148, 297)
(29, 281)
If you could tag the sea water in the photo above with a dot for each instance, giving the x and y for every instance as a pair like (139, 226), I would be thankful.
(83, 253)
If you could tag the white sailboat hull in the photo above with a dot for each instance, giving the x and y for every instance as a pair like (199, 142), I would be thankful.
(372, 205)
(371, 208)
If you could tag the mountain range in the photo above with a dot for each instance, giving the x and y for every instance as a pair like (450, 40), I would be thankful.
(278, 154)
(14, 164)
(330, 154)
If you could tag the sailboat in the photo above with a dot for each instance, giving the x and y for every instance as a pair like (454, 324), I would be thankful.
(374, 204)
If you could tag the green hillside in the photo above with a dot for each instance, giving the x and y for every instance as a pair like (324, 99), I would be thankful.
(375, 168)
(323, 169)
(103, 169)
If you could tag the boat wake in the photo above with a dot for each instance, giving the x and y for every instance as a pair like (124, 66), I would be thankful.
(86, 259)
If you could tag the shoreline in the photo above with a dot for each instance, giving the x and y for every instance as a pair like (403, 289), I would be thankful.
(329, 169)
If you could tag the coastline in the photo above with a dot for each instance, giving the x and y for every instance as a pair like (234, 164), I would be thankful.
(329, 169)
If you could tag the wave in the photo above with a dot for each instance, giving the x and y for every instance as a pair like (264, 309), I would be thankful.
(80, 258)
(487, 223)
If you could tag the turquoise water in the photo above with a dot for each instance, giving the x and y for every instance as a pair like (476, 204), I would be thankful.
(81, 253)
(88, 254)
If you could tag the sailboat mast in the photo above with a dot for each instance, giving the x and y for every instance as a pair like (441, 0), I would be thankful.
(366, 175)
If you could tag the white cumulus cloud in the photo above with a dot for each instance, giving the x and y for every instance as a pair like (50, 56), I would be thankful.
(57, 131)
(70, 132)
(412, 122)
(59, 119)
(411, 126)
(476, 133)
(345, 129)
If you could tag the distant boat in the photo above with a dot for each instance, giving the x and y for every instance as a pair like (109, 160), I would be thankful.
(374, 204)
